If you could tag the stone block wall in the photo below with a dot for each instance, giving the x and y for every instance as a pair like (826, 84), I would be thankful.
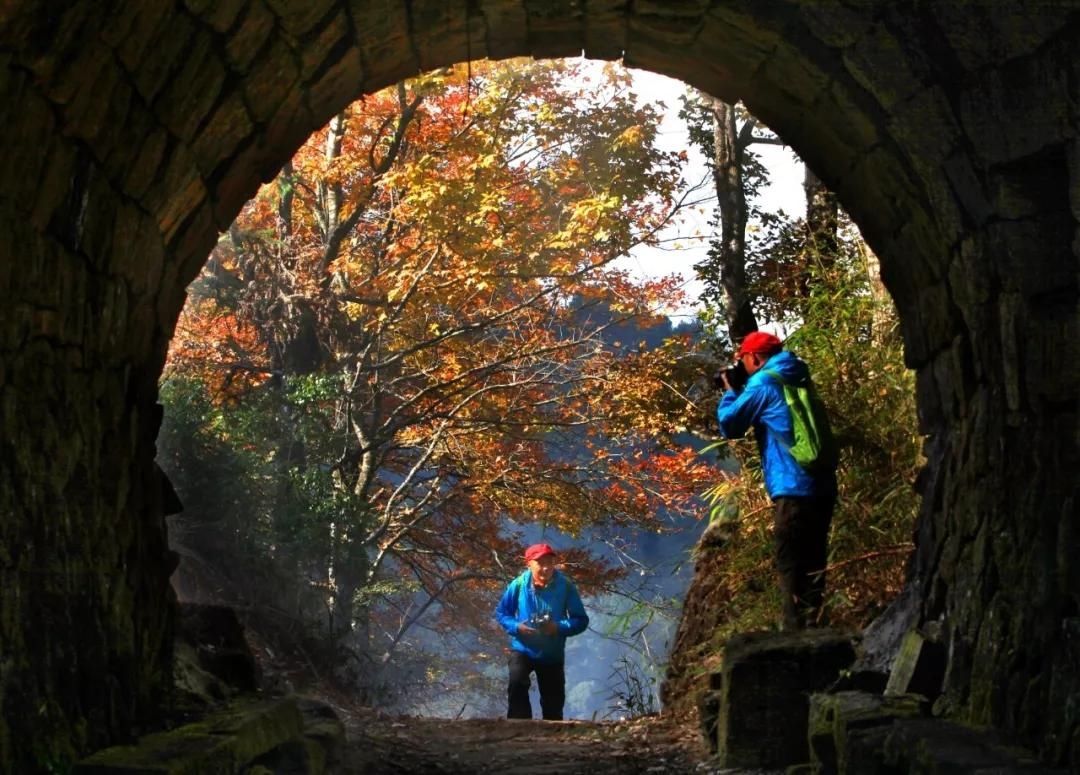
(764, 702)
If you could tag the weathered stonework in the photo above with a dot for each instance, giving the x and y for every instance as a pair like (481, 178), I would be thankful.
(133, 132)
(764, 694)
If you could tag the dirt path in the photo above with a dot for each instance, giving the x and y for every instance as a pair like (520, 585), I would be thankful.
(383, 745)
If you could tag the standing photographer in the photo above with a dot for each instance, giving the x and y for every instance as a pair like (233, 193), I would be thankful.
(539, 610)
(803, 499)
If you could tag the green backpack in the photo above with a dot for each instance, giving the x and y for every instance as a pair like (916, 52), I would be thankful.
(814, 448)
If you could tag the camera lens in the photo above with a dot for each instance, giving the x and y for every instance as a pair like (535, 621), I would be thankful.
(737, 376)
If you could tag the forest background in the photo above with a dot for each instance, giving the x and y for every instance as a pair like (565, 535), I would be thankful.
(420, 348)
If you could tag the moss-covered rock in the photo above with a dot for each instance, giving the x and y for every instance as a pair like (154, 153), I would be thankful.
(833, 716)
(292, 735)
(767, 681)
(919, 667)
(927, 745)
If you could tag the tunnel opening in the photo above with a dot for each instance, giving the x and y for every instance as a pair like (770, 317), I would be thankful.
(151, 126)
(439, 238)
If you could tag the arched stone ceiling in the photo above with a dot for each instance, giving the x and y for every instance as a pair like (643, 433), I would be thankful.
(185, 109)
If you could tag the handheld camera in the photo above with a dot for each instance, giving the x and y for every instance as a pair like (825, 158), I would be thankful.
(736, 377)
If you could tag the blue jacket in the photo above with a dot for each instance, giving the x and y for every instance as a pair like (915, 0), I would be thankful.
(521, 602)
(761, 406)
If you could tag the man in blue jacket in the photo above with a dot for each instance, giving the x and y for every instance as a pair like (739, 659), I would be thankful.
(803, 501)
(539, 610)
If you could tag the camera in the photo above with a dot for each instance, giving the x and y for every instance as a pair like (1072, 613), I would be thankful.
(736, 377)
(539, 620)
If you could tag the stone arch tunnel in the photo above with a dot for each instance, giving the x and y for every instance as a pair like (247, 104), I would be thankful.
(133, 132)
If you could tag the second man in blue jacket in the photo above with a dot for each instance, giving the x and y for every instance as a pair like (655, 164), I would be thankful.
(539, 610)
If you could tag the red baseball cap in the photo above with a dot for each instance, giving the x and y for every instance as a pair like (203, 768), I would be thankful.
(759, 342)
(536, 551)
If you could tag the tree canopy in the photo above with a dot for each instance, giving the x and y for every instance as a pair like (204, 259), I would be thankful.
(407, 341)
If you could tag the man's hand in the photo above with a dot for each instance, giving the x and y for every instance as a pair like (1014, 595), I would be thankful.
(724, 379)
(550, 627)
(546, 628)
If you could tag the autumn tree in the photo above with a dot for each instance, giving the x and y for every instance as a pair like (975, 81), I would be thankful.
(419, 307)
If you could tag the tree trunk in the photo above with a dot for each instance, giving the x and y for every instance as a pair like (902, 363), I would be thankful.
(352, 620)
(883, 319)
(822, 220)
(330, 194)
(284, 212)
(731, 201)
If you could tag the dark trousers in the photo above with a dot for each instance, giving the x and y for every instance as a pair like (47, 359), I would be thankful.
(550, 679)
(801, 533)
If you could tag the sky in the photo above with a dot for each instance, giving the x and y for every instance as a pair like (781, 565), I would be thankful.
(784, 192)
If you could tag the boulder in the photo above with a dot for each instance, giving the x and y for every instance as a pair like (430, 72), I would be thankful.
(291, 735)
(765, 688)
(929, 745)
(833, 717)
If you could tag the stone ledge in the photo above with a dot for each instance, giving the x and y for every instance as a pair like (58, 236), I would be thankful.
(909, 746)
(835, 717)
(764, 691)
(303, 733)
